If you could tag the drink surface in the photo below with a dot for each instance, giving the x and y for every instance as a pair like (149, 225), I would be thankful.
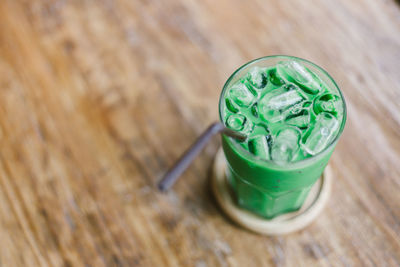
(286, 110)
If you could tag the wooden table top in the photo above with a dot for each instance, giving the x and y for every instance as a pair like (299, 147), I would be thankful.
(98, 98)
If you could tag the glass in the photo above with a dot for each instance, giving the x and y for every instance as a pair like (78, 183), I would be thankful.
(263, 186)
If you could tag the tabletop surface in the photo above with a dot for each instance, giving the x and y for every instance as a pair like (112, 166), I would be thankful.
(99, 98)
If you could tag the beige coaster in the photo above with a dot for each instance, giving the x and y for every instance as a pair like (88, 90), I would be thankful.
(282, 224)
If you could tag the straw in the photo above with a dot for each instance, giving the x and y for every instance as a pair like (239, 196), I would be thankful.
(181, 165)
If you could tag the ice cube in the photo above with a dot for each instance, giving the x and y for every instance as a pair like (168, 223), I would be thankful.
(300, 119)
(273, 104)
(328, 103)
(296, 108)
(257, 77)
(258, 145)
(231, 106)
(283, 97)
(241, 95)
(293, 71)
(284, 100)
(261, 129)
(239, 122)
(285, 145)
(254, 110)
(320, 134)
(236, 122)
(274, 78)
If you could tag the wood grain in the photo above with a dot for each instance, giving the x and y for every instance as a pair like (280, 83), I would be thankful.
(98, 98)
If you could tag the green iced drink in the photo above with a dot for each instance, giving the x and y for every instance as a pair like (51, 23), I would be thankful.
(293, 113)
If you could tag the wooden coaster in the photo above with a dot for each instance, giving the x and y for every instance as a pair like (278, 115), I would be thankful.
(282, 224)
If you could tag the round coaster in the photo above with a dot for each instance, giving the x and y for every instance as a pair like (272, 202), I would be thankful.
(282, 224)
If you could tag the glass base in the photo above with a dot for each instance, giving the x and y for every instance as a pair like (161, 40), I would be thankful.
(262, 203)
(282, 224)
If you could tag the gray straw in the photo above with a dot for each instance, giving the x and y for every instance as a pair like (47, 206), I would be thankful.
(181, 165)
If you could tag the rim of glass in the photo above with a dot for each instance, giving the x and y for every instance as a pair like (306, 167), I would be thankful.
(246, 153)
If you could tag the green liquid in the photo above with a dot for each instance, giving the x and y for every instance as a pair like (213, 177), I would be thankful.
(292, 116)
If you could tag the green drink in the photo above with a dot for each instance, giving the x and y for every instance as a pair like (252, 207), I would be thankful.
(293, 113)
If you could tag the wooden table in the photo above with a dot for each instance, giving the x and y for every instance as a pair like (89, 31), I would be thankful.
(98, 98)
